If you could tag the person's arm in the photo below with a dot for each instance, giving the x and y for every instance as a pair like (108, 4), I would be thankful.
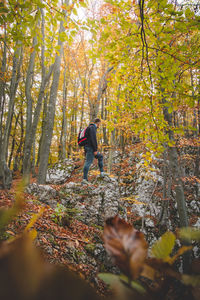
(93, 138)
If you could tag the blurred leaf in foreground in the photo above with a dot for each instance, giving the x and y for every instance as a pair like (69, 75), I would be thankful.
(189, 234)
(126, 245)
(120, 280)
(24, 275)
(6, 215)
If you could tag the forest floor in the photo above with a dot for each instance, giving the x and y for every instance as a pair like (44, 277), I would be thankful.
(52, 238)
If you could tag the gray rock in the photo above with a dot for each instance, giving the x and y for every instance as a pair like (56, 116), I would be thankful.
(145, 185)
(194, 206)
(197, 224)
(60, 172)
(45, 193)
(49, 250)
(96, 202)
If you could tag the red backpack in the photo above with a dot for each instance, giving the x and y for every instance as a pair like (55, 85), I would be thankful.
(83, 136)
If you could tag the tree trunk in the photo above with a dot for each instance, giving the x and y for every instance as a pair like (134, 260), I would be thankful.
(5, 173)
(178, 184)
(63, 136)
(104, 117)
(44, 118)
(13, 140)
(176, 173)
(33, 159)
(29, 112)
(32, 121)
(197, 163)
(94, 106)
(110, 155)
(167, 183)
(82, 108)
(2, 86)
(18, 156)
(48, 130)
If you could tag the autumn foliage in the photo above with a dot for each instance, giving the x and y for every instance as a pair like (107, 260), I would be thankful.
(147, 276)
(126, 245)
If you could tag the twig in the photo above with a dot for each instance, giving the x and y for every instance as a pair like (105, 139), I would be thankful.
(71, 238)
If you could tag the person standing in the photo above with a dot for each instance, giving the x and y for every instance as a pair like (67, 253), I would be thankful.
(91, 150)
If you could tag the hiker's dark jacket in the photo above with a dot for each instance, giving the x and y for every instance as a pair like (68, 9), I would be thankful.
(92, 138)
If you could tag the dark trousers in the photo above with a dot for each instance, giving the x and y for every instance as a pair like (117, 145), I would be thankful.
(89, 157)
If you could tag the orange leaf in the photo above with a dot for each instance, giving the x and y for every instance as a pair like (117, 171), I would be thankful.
(126, 245)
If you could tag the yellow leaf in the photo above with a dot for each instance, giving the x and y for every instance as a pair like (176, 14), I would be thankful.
(94, 172)
(34, 218)
(32, 234)
(133, 200)
(163, 247)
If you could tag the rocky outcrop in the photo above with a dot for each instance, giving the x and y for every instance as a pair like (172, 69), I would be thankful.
(145, 186)
(92, 204)
(104, 198)
(60, 172)
(44, 193)
(95, 202)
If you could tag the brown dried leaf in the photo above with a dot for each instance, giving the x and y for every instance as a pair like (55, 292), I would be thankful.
(148, 272)
(126, 245)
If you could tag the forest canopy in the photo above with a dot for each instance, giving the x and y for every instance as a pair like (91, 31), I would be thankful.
(135, 64)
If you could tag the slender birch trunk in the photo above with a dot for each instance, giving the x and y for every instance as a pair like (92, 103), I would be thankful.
(5, 173)
(48, 130)
(32, 120)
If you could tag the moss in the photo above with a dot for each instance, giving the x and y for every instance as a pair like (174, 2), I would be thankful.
(65, 194)
(90, 248)
(51, 239)
(97, 226)
(5, 236)
(97, 238)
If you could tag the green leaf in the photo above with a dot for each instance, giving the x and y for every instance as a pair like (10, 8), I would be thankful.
(40, 4)
(57, 47)
(73, 33)
(164, 246)
(171, 143)
(191, 280)
(63, 36)
(103, 21)
(189, 234)
(109, 278)
(3, 10)
(83, 4)
(120, 281)
(74, 10)
(138, 287)
(188, 13)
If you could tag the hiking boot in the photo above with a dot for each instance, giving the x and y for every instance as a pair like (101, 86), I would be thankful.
(103, 174)
(85, 182)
